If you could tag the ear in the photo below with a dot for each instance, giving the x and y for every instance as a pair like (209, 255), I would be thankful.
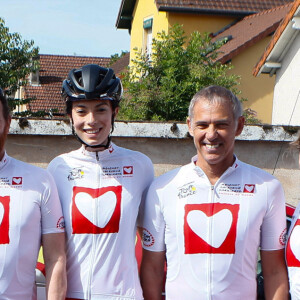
(116, 111)
(8, 124)
(70, 118)
(240, 125)
(189, 123)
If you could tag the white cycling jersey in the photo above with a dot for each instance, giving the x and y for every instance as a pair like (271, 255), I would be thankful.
(293, 255)
(100, 194)
(29, 207)
(212, 234)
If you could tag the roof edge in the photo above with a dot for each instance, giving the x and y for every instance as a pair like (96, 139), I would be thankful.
(281, 28)
(206, 11)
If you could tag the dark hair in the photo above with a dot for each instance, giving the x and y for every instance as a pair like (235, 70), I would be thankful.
(5, 108)
(217, 94)
(69, 106)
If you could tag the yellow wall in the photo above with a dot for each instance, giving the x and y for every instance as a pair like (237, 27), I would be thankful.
(258, 90)
(191, 22)
(145, 9)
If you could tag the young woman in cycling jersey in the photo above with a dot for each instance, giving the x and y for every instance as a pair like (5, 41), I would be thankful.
(101, 187)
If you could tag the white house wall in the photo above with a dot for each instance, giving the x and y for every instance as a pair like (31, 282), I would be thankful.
(286, 102)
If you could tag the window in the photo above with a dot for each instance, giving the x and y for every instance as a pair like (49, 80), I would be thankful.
(147, 47)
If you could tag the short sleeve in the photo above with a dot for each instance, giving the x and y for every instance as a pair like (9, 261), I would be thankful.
(273, 231)
(51, 211)
(153, 222)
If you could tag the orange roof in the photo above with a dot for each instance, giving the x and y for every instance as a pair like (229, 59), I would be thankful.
(279, 32)
(249, 31)
(53, 70)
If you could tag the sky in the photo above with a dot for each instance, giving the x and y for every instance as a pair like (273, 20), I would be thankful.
(68, 27)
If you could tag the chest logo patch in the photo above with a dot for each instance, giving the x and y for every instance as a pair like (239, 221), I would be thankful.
(249, 188)
(210, 228)
(128, 170)
(4, 219)
(96, 211)
(292, 248)
(17, 180)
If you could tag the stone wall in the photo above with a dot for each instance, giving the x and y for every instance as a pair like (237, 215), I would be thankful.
(167, 144)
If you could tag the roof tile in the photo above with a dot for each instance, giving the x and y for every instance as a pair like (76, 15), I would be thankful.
(53, 70)
(250, 30)
(249, 6)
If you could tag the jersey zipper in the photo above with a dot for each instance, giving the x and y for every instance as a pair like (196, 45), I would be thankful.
(210, 229)
(93, 250)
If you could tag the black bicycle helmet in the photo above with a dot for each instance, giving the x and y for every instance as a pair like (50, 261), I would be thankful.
(92, 82)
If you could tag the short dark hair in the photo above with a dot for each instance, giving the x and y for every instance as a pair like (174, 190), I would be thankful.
(5, 107)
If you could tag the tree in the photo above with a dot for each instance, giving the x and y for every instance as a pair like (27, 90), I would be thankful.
(18, 59)
(160, 87)
(115, 57)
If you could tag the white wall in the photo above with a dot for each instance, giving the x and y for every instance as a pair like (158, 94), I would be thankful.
(286, 102)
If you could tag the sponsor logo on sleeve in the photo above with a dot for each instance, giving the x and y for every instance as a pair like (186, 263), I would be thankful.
(221, 218)
(148, 239)
(60, 223)
(282, 237)
(96, 211)
(4, 219)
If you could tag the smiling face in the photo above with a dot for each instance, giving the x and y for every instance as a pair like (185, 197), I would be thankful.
(214, 129)
(92, 121)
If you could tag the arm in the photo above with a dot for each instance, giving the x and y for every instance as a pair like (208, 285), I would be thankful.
(275, 275)
(152, 274)
(55, 264)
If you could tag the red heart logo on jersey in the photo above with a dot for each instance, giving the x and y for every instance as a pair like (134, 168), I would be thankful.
(294, 242)
(96, 211)
(222, 218)
(292, 247)
(105, 205)
(196, 218)
(4, 219)
(1, 213)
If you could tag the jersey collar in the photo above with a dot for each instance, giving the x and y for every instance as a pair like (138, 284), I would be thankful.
(4, 161)
(100, 154)
(201, 173)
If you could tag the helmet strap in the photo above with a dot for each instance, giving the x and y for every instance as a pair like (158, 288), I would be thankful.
(105, 146)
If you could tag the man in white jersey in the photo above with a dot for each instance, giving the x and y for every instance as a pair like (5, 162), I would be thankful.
(100, 186)
(210, 217)
(30, 214)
